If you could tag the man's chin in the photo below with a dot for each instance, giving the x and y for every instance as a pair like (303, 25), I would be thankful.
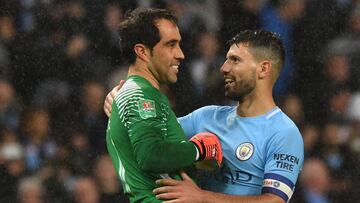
(228, 95)
(233, 97)
(174, 80)
(171, 81)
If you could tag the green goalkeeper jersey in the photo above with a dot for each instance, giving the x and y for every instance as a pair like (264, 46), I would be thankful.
(145, 140)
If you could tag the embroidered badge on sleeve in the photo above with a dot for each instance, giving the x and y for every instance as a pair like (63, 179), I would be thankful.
(147, 108)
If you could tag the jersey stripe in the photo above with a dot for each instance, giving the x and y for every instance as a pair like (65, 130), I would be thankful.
(279, 178)
(121, 171)
(277, 192)
(126, 100)
(278, 185)
(273, 113)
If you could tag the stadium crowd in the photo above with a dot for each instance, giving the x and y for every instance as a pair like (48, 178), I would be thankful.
(58, 60)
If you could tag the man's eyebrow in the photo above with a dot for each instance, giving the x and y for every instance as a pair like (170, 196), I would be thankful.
(232, 56)
(173, 41)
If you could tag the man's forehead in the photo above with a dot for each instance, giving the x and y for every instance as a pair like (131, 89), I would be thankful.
(241, 45)
(166, 26)
(235, 48)
(238, 48)
(168, 32)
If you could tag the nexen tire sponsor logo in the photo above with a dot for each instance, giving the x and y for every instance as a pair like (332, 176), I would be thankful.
(286, 161)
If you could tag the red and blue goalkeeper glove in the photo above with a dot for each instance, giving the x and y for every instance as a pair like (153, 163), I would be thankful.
(208, 146)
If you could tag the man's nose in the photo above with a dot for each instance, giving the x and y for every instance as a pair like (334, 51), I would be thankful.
(179, 54)
(224, 68)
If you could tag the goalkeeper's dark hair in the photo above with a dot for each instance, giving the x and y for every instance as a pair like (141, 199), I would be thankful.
(139, 27)
(263, 44)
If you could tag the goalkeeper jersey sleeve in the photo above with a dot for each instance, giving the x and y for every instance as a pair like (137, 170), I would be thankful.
(145, 140)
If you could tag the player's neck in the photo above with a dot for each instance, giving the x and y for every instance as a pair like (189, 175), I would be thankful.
(255, 105)
(143, 71)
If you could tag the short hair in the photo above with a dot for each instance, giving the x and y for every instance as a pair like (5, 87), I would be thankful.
(263, 44)
(139, 26)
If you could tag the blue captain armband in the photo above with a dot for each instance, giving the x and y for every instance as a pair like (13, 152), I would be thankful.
(278, 185)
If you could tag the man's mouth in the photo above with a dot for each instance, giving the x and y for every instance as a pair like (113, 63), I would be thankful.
(175, 67)
(228, 81)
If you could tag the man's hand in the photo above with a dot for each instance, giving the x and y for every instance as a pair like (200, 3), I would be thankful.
(209, 147)
(172, 191)
(184, 191)
(110, 98)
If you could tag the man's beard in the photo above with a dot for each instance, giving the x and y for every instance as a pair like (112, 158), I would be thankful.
(241, 90)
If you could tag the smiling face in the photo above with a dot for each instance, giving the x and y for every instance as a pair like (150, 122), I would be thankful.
(239, 71)
(166, 54)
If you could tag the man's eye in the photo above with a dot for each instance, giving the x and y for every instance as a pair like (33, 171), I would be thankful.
(171, 44)
(235, 60)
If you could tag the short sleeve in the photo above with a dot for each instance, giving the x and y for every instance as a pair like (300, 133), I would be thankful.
(187, 124)
(284, 160)
(191, 123)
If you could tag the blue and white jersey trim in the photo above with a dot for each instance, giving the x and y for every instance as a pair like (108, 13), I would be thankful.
(273, 113)
(278, 185)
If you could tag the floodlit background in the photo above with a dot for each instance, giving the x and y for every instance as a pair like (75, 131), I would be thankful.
(59, 58)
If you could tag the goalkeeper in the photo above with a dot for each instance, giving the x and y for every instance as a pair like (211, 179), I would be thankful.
(144, 138)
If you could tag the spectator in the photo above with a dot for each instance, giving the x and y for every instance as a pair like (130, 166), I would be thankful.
(86, 191)
(12, 166)
(30, 190)
(9, 106)
(293, 107)
(39, 145)
(203, 78)
(279, 16)
(315, 183)
(91, 114)
(109, 185)
(311, 137)
(82, 154)
(239, 15)
(340, 160)
(105, 40)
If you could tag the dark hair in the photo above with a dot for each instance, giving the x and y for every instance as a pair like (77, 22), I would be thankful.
(140, 27)
(265, 40)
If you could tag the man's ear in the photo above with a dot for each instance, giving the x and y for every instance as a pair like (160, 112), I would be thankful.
(265, 69)
(142, 52)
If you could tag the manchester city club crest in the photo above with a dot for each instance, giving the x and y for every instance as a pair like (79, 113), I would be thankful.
(244, 151)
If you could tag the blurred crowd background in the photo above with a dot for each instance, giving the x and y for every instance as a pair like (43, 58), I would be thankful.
(59, 58)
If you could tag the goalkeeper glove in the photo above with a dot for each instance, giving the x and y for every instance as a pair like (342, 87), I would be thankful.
(208, 146)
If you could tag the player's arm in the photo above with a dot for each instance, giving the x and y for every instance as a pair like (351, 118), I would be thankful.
(284, 160)
(109, 99)
(151, 151)
(187, 191)
(157, 155)
(154, 152)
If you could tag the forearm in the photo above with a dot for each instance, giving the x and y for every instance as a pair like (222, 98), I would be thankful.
(212, 197)
(186, 190)
(165, 156)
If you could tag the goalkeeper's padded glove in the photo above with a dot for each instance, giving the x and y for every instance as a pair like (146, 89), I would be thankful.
(209, 147)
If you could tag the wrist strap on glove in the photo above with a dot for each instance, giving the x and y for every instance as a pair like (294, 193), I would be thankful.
(209, 147)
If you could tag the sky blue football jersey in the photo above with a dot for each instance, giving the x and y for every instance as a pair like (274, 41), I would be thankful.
(261, 154)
